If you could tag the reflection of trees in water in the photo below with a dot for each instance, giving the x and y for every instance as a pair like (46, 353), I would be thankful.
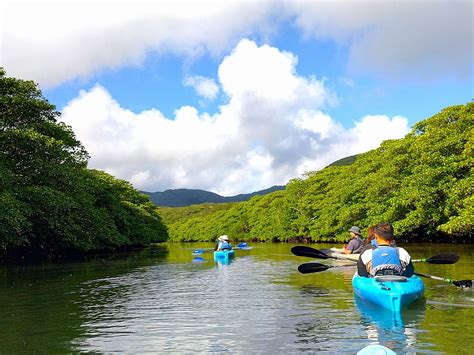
(45, 306)
(327, 323)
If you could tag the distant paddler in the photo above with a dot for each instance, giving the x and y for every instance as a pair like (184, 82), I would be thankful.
(223, 243)
(356, 244)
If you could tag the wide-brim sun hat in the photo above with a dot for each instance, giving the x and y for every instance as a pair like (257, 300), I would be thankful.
(355, 229)
(224, 237)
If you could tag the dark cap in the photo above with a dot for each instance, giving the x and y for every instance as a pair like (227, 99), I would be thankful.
(355, 229)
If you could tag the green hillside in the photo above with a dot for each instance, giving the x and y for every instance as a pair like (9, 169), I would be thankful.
(187, 197)
(422, 183)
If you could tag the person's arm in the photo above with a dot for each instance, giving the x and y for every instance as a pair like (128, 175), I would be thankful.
(409, 270)
(405, 260)
(361, 266)
(349, 248)
(364, 264)
(361, 269)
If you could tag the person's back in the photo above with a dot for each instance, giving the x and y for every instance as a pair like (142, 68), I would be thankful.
(223, 243)
(384, 258)
(224, 246)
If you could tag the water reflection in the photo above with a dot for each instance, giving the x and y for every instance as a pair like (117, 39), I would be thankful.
(160, 300)
(397, 331)
(223, 262)
(41, 306)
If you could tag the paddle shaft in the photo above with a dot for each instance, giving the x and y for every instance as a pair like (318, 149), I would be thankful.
(458, 283)
(434, 277)
(302, 250)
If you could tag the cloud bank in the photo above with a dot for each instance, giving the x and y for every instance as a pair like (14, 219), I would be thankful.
(428, 40)
(271, 129)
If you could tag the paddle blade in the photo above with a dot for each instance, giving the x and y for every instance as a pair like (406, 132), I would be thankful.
(301, 250)
(242, 245)
(463, 283)
(443, 259)
(198, 252)
(309, 268)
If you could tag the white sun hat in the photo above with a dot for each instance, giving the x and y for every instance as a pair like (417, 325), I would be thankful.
(224, 237)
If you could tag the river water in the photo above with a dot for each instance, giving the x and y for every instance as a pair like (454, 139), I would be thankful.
(161, 300)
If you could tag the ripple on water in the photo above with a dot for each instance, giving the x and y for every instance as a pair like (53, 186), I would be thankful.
(256, 304)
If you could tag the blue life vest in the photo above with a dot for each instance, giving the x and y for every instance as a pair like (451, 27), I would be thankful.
(224, 246)
(385, 260)
(374, 243)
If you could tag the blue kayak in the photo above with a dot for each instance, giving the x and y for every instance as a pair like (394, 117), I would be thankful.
(223, 255)
(390, 292)
(376, 349)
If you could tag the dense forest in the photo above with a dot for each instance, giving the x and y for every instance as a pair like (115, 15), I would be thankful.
(422, 183)
(50, 203)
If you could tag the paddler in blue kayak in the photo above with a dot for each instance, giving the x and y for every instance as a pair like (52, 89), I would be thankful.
(223, 243)
(384, 258)
(356, 244)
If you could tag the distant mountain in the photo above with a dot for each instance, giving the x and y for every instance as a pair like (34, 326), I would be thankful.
(345, 161)
(186, 197)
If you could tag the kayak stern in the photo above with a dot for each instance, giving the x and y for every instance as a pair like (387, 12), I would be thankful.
(223, 255)
(390, 292)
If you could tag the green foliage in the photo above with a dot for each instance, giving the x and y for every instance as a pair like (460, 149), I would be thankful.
(344, 161)
(422, 183)
(49, 201)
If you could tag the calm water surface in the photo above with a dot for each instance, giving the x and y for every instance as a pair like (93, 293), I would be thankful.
(160, 300)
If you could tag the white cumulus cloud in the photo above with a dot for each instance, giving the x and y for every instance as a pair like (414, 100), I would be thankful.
(71, 40)
(427, 40)
(204, 87)
(271, 130)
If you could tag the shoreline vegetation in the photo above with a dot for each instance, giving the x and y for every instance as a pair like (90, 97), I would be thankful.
(423, 184)
(53, 206)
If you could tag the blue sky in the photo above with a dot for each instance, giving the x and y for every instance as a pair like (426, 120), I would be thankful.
(234, 96)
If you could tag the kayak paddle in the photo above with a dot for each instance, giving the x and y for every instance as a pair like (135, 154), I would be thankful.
(309, 268)
(459, 283)
(301, 250)
(441, 259)
(240, 246)
(318, 254)
(202, 251)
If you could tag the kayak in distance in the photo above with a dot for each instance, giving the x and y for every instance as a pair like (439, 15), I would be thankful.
(391, 292)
